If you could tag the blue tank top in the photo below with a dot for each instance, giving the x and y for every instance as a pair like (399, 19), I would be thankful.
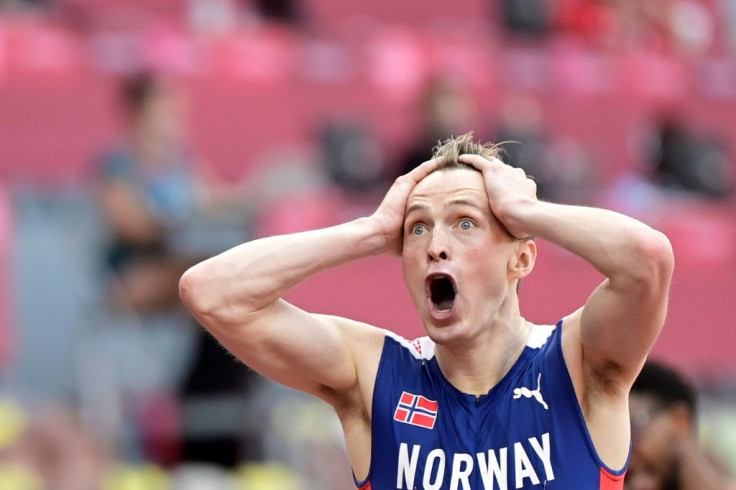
(527, 432)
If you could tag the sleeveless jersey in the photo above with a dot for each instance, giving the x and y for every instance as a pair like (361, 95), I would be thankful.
(527, 432)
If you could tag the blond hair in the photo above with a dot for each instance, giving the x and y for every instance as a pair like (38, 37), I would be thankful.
(450, 149)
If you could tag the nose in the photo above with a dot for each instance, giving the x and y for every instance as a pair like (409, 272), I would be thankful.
(438, 249)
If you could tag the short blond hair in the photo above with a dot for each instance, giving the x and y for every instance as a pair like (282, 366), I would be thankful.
(450, 149)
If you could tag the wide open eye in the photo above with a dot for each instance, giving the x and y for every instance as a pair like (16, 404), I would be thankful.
(466, 224)
(418, 229)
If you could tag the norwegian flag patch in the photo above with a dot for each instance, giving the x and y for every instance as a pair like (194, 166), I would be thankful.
(416, 410)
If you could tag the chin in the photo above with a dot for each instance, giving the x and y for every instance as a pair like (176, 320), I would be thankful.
(445, 331)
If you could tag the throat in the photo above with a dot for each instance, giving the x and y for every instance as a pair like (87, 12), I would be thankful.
(477, 367)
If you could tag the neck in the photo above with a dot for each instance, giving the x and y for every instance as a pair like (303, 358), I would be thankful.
(477, 366)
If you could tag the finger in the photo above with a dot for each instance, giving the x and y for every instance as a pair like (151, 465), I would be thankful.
(424, 169)
(481, 163)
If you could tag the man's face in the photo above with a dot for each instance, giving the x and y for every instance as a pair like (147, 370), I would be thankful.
(654, 461)
(456, 254)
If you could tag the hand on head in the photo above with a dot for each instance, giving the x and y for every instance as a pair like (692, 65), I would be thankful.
(508, 189)
(389, 216)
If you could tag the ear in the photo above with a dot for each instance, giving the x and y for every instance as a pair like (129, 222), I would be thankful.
(524, 259)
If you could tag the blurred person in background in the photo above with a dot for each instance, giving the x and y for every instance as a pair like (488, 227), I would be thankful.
(164, 214)
(147, 188)
(446, 108)
(284, 11)
(521, 124)
(666, 454)
(683, 161)
(485, 383)
(48, 450)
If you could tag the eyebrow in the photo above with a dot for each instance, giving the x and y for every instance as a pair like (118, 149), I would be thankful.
(413, 208)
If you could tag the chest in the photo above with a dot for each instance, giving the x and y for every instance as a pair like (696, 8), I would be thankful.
(433, 415)
(441, 438)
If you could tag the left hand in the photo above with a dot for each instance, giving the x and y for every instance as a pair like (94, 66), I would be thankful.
(509, 190)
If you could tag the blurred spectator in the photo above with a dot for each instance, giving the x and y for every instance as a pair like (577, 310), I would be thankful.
(353, 158)
(51, 450)
(446, 109)
(563, 168)
(683, 161)
(286, 11)
(22, 4)
(531, 18)
(159, 211)
(223, 16)
(521, 125)
(147, 193)
(666, 454)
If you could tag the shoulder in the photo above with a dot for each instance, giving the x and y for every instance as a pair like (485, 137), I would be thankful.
(365, 343)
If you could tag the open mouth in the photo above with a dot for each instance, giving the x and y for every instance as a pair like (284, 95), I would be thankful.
(442, 291)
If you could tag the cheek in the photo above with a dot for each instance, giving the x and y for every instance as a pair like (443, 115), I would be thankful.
(486, 264)
(413, 275)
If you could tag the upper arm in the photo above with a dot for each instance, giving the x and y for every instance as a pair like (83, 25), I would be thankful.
(623, 317)
(318, 354)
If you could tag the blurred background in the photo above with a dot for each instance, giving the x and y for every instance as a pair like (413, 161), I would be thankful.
(138, 137)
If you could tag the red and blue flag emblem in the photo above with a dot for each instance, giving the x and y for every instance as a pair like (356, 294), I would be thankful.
(416, 410)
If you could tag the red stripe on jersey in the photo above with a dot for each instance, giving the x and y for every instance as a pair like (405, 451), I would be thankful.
(366, 486)
(609, 481)
(422, 420)
(426, 404)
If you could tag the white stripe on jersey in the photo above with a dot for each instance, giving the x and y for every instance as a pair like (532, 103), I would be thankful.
(423, 347)
(539, 335)
(420, 348)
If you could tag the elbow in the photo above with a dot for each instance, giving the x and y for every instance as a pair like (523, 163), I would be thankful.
(210, 292)
(192, 288)
(654, 258)
(197, 290)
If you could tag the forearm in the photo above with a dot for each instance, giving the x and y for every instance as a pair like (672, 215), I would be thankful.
(251, 276)
(614, 244)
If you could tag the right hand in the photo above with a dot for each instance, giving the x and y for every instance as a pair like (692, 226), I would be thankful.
(389, 217)
(509, 190)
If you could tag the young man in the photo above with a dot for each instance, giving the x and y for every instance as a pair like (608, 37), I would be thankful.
(666, 454)
(486, 400)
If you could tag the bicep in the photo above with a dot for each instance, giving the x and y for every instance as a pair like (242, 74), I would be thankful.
(308, 352)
